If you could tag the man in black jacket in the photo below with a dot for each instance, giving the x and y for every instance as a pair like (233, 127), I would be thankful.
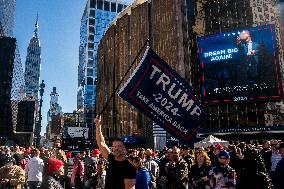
(279, 170)
(271, 158)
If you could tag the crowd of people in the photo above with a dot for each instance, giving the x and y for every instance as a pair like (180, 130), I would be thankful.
(240, 165)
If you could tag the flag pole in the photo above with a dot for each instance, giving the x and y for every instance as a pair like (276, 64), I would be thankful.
(129, 68)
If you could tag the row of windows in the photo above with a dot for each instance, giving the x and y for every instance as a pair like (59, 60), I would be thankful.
(99, 31)
(106, 5)
(102, 15)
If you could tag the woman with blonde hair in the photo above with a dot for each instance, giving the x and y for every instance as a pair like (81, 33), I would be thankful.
(200, 169)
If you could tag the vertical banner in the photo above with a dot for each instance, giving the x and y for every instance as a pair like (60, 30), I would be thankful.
(164, 96)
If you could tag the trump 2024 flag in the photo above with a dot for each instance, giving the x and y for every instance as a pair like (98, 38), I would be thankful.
(164, 96)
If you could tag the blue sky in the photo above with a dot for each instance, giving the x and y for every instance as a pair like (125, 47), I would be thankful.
(59, 32)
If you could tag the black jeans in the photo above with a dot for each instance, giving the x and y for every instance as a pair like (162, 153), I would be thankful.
(34, 184)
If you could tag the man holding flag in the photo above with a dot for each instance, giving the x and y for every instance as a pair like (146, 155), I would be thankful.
(121, 173)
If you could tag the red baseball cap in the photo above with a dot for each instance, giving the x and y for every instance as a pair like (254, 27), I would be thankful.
(96, 152)
(218, 146)
(54, 165)
(68, 154)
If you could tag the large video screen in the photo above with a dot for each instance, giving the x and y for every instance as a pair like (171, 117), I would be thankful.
(240, 66)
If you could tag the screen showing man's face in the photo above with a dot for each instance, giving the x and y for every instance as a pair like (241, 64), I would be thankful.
(240, 65)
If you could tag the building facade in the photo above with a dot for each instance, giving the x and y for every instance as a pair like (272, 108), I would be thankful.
(18, 86)
(165, 23)
(7, 14)
(97, 16)
(7, 54)
(32, 65)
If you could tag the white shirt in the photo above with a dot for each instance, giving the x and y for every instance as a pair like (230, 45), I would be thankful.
(34, 169)
(275, 158)
(249, 47)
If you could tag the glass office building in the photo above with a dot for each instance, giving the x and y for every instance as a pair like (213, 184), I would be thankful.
(97, 16)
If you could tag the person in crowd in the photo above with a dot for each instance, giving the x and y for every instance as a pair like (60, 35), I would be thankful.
(59, 154)
(166, 158)
(234, 157)
(6, 157)
(143, 175)
(265, 147)
(77, 177)
(177, 171)
(200, 170)
(252, 173)
(187, 155)
(2, 156)
(45, 157)
(98, 178)
(155, 157)
(7, 154)
(279, 170)
(153, 167)
(271, 158)
(121, 173)
(34, 170)
(55, 171)
(222, 176)
(11, 175)
(69, 165)
(91, 164)
(18, 155)
(26, 157)
(214, 154)
(57, 142)
(133, 153)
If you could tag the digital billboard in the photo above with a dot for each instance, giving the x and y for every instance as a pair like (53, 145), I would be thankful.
(240, 66)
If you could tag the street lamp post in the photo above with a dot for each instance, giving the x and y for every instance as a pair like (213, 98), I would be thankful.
(38, 130)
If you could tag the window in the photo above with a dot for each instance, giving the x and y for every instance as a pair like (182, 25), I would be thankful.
(90, 63)
(91, 38)
(89, 81)
(91, 21)
(99, 4)
(119, 8)
(92, 3)
(91, 29)
(90, 54)
(89, 72)
(106, 6)
(92, 13)
(113, 7)
(90, 45)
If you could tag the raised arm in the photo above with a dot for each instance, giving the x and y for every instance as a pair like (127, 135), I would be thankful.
(100, 138)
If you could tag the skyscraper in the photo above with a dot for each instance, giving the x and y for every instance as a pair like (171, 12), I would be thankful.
(32, 65)
(97, 16)
(54, 116)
